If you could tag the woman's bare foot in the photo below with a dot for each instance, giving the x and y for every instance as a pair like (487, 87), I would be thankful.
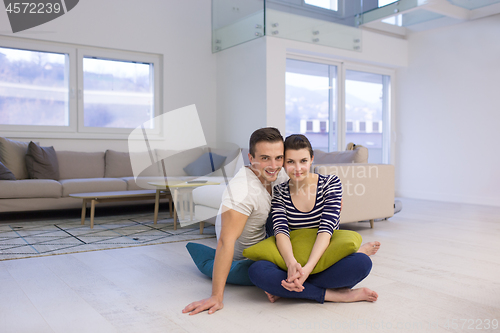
(272, 298)
(369, 248)
(346, 295)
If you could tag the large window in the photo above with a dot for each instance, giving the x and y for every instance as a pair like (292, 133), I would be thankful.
(337, 103)
(366, 108)
(82, 92)
(34, 88)
(117, 94)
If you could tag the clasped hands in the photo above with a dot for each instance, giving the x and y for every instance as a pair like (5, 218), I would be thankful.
(297, 275)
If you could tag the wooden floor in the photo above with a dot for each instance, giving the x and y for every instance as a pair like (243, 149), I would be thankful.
(439, 264)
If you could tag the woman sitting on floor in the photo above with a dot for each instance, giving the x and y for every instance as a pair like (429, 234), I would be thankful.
(310, 200)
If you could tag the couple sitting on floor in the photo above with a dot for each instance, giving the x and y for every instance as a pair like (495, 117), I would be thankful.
(306, 200)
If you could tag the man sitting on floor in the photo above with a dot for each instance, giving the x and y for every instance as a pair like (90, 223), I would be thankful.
(245, 207)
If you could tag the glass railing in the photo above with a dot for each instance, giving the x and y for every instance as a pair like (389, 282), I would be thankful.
(323, 22)
(238, 21)
(235, 22)
(390, 10)
(413, 17)
(311, 30)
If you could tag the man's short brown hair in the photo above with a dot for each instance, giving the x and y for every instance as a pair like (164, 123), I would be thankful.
(268, 134)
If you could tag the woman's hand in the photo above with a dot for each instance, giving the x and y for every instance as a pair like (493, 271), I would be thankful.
(294, 272)
(307, 269)
(320, 245)
(295, 282)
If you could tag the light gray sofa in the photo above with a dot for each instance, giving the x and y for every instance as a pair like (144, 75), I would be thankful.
(81, 172)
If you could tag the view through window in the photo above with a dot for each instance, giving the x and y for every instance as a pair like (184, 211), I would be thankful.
(308, 107)
(34, 88)
(311, 107)
(117, 93)
(55, 88)
(364, 109)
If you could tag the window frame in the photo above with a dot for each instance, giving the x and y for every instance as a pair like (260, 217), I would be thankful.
(43, 47)
(388, 124)
(118, 56)
(75, 129)
(388, 119)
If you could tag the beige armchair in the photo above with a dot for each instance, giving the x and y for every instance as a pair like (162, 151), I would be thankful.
(368, 190)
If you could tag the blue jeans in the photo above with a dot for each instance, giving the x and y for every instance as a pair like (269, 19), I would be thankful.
(346, 273)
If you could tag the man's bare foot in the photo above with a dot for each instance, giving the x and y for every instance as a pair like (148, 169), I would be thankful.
(272, 298)
(346, 295)
(369, 248)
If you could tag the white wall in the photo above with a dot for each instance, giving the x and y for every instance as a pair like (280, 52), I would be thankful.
(180, 31)
(448, 115)
(241, 91)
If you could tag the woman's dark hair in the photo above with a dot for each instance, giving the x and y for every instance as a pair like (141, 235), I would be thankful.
(298, 141)
(268, 134)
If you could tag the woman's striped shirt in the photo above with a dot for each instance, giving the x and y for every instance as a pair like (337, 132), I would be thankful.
(326, 212)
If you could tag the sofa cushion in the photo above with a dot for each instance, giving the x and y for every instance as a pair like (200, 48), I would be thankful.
(205, 164)
(358, 155)
(41, 162)
(5, 173)
(75, 165)
(210, 195)
(206, 214)
(30, 188)
(71, 186)
(12, 155)
(117, 164)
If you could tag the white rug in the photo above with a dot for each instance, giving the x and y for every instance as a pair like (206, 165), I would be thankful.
(51, 237)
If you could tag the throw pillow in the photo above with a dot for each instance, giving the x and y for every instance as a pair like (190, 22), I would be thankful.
(203, 256)
(5, 173)
(12, 155)
(205, 164)
(342, 244)
(41, 162)
(231, 168)
(117, 164)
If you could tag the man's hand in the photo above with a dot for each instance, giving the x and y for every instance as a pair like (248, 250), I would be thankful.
(233, 224)
(211, 304)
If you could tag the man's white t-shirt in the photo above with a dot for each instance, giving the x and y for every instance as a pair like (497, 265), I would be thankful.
(246, 194)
